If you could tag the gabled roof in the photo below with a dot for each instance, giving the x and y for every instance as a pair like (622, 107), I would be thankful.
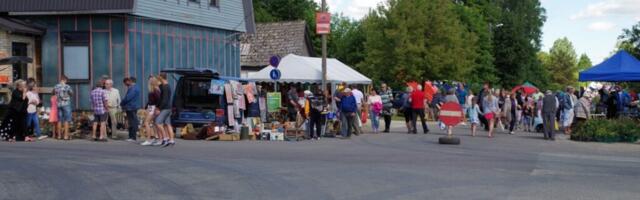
(277, 38)
(18, 26)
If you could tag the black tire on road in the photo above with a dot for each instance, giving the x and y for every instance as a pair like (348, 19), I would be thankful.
(449, 140)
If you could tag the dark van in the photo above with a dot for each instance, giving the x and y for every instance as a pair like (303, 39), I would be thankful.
(192, 102)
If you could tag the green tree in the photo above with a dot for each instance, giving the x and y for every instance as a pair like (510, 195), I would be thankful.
(378, 48)
(562, 64)
(584, 62)
(630, 40)
(289, 10)
(477, 16)
(417, 40)
(346, 41)
(517, 40)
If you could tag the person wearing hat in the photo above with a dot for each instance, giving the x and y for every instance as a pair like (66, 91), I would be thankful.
(550, 105)
(348, 108)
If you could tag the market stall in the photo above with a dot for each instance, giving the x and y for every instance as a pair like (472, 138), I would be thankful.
(621, 67)
(302, 72)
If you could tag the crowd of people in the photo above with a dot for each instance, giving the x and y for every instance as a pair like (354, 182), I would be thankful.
(489, 108)
(106, 106)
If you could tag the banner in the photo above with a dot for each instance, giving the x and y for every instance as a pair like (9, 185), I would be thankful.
(274, 101)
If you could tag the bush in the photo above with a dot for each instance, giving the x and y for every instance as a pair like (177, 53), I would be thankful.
(601, 130)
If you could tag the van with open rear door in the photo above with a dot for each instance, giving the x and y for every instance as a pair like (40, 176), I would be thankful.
(192, 102)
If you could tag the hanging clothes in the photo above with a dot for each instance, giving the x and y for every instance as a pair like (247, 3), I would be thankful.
(231, 115)
(228, 93)
(262, 102)
(249, 92)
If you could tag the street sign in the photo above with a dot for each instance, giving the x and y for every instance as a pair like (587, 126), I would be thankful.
(275, 74)
(451, 114)
(323, 23)
(274, 61)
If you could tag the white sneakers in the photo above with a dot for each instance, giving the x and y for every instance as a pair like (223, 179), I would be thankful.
(148, 142)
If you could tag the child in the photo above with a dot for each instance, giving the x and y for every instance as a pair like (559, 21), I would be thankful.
(474, 111)
(53, 116)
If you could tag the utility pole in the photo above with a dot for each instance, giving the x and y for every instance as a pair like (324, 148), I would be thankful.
(324, 52)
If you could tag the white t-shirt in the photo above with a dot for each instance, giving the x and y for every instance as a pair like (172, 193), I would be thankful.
(358, 95)
(33, 97)
(373, 99)
(469, 102)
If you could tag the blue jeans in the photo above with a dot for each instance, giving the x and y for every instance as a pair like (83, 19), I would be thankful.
(32, 118)
(375, 123)
(343, 124)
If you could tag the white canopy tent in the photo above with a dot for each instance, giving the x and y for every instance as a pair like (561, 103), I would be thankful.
(300, 69)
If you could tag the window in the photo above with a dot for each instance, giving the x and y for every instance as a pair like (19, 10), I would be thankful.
(75, 56)
(214, 3)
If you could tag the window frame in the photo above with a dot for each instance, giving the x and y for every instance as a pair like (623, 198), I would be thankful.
(214, 3)
(84, 43)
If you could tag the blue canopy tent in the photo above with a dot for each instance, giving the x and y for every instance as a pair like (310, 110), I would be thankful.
(621, 67)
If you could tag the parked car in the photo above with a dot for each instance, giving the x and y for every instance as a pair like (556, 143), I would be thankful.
(192, 102)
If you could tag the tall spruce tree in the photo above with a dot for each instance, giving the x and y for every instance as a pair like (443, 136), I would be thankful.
(517, 40)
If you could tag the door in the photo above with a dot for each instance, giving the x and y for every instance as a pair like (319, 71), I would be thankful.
(19, 70)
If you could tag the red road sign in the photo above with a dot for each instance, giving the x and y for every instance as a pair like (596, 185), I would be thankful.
(451, 114)
(323, 23)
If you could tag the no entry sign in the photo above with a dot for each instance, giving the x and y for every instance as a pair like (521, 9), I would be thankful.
(451, 114)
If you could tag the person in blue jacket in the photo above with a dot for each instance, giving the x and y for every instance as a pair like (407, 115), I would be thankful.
(130, 104)
(348, 107)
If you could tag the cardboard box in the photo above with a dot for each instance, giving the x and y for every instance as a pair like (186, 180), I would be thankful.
(229, 137)
(277, 136)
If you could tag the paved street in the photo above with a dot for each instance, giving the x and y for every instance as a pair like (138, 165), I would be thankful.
(386, 166)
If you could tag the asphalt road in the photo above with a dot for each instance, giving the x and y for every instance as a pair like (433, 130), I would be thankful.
(384, 166)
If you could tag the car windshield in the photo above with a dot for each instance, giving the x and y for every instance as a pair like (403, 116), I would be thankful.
(195, 95)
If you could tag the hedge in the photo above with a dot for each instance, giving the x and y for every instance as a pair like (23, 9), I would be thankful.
(603, 130)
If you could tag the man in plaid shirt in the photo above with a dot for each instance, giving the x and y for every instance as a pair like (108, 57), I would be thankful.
(99, 105)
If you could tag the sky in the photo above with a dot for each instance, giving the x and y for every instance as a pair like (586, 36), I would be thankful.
(593, 26)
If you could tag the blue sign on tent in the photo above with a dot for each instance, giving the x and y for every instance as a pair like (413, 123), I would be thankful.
(274, 61)
(275, 74)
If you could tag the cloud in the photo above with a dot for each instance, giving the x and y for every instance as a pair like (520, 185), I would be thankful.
(601, 26)
(359, 8)
(622, 8)
(352, 8)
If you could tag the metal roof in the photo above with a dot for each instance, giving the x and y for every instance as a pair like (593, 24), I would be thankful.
(35, 6)
(18, 26)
